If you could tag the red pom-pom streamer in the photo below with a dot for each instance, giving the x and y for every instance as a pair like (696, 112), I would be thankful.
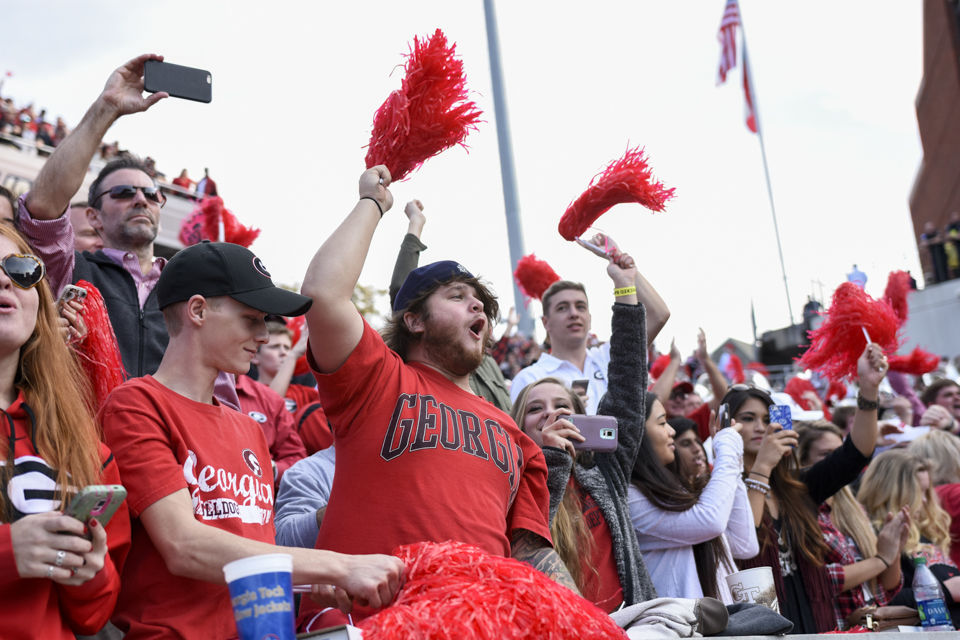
(428, 114)
(98, 352)
(534, 276)
(735, 369)
(917, 362)
(759, 367)
(796, 387)
(296, 326)
(454, 590)
(836, 392)
(837, 345)
(204, 224)
(898, 286)
(628, 179)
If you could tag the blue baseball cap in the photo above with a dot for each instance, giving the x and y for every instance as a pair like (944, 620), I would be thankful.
(426, 278)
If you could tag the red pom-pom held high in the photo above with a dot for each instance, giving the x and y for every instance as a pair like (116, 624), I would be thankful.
(629, 179)
(428, 114)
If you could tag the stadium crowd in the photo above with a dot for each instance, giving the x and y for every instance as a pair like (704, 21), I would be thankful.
(354, 441)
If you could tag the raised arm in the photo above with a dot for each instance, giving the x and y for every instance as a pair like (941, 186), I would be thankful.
(63, 173)
(335, 324)
(718, 383)
(871, 368)
(627, 371)
(663, 387)
(657, 311)
(409, 255)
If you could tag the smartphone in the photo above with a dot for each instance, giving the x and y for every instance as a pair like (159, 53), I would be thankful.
(723, 415)
(178, 81)
(780, 413)
(98, 501)
(580, 387)
(71, 292)
(600, 432)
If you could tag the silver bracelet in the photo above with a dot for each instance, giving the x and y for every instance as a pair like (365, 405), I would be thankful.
(756, 485)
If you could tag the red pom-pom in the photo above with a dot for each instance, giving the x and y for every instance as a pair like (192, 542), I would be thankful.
(836, 391)
(837, 345)
(534, 276)
(917, 362)
(98, 352)
(428, 114)
(735, 369)
(454, 590)
(204, 224)
(898, 286)
(796, 387)
(628, 179)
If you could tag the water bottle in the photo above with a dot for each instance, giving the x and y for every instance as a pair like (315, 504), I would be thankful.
(930, 605)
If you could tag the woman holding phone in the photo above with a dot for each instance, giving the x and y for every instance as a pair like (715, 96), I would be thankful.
(690, 537)
(56, 582)
(784, 498)
(589, 519)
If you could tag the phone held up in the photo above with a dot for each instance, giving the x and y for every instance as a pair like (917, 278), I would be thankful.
(600, 432)
(97, 501)
(71, 292)
(723, 415)
(780, 413)
(179, 81)
(580, 387)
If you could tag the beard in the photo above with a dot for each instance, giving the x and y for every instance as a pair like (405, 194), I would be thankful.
(443, 344)
(138, 234)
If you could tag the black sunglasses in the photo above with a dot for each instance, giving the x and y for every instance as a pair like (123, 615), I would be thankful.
(24, 270)
(127, 191)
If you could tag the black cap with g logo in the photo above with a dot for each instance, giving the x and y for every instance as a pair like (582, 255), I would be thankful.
(213, 269)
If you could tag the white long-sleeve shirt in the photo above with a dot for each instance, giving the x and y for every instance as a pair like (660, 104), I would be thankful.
(667, 537)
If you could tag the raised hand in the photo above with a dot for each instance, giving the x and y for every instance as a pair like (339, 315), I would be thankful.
(871, 369)
(123, 91)
(374, 183)
(558, 432)
(777, 444)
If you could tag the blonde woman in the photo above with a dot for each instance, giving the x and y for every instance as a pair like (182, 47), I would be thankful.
(589, 518)
(896, 479)
(942, 452)
(864, 567)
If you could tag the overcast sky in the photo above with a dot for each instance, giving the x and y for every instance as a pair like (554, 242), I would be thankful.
(296, 85)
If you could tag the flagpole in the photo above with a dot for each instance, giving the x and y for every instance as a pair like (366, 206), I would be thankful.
(766, 169)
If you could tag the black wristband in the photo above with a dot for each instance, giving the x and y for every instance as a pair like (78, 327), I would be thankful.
(866, 405)
(374, 200)
(885, 563)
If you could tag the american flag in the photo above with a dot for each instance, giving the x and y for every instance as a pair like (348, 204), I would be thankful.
(728, 40)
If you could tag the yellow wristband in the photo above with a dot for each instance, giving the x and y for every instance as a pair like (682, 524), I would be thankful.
(624, 291)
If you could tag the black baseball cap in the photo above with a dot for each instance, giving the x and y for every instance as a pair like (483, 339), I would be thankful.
(213, 269)
(426, 278)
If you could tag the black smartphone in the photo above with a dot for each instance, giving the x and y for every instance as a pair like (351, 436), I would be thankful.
(580, 387)
(178, 81)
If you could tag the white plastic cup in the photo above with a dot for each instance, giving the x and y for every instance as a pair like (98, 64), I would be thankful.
(754, 585)
(261, 592)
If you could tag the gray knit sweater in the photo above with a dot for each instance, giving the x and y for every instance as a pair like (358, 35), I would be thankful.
(607, 476)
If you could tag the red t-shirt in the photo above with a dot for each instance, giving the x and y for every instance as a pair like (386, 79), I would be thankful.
(419, 458)
(165, 442)
(40, 608)
(268, 409)
(601, 580)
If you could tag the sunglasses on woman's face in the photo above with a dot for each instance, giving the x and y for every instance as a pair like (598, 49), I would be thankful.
(24, 270)
(127, 192)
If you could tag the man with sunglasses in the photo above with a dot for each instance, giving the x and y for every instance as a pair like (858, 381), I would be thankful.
(124, 209)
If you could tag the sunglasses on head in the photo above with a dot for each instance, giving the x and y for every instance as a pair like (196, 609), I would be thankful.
(128, 191)
(23, 269)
